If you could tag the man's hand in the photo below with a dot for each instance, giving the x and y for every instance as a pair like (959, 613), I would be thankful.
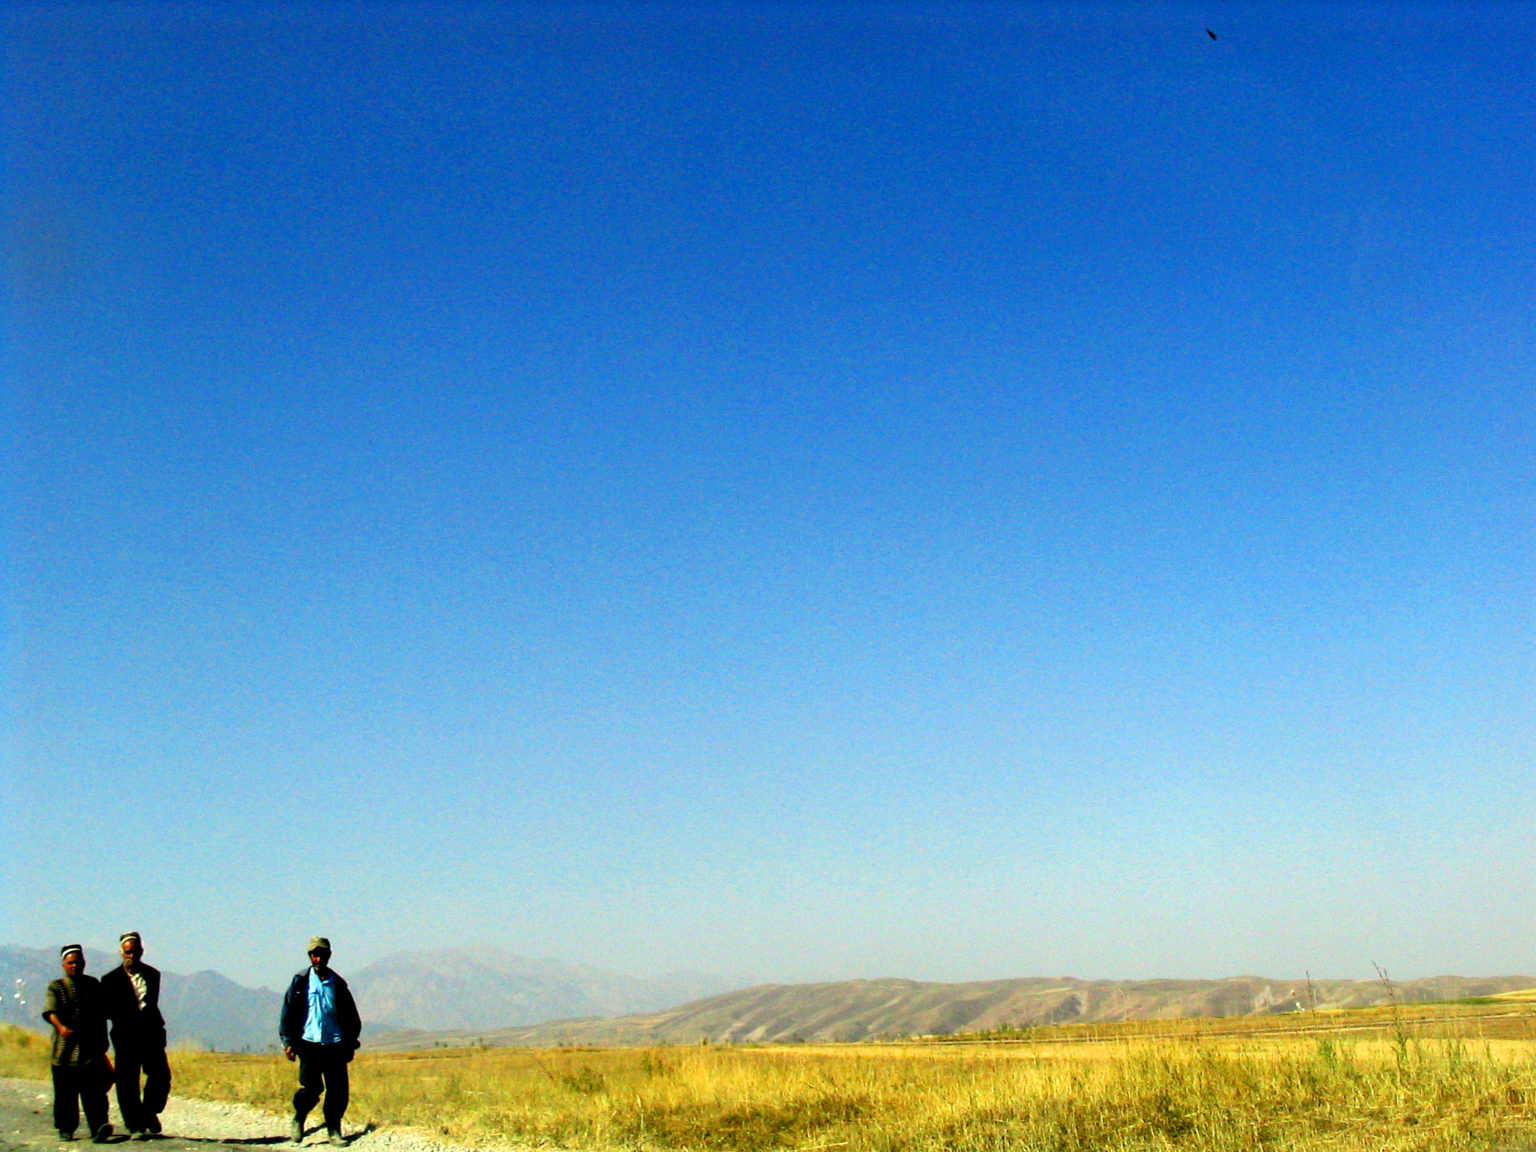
(288, 1052)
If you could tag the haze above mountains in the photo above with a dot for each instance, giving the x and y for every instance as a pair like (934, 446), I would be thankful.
(485, 996)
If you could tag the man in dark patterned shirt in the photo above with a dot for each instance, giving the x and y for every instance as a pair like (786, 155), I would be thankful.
(81, 1072)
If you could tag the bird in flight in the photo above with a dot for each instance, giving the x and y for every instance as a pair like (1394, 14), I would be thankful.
(1211, 34)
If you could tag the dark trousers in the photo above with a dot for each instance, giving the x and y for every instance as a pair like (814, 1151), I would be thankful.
(81, 1084)
(323, 1068)
(132, 1059)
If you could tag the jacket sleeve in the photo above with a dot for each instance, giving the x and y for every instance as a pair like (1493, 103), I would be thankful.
(152, 1001)
(348, 1017)
(112, 998)
(287, 1027)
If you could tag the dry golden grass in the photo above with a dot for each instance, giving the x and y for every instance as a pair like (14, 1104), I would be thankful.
(22, 1053)
(1457, 1081)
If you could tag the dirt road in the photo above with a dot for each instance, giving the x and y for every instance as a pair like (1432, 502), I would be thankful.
(26, 1125)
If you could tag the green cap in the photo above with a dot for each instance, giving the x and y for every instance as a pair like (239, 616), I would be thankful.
(319, 944)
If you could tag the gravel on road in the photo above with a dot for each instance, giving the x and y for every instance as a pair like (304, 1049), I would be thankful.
(26, 1125)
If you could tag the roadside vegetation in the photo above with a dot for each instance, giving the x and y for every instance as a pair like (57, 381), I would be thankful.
(1454, 1077)
(23, 1054)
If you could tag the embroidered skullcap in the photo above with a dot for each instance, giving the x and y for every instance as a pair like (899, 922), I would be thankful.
(68, 948)
(319, 944)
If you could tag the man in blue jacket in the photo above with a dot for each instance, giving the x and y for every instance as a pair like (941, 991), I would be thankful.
(319, 1028)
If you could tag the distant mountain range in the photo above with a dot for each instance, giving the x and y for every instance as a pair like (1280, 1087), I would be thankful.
(484, 996)
(856, 1010)
(204, 1010)
(466, 987)
(460, 989)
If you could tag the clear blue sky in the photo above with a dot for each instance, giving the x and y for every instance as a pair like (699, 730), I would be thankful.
(798, 491)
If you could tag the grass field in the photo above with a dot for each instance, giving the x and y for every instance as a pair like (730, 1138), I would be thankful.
(1459, 1076)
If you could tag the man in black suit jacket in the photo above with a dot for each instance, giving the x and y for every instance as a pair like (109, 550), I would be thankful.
(132, 994)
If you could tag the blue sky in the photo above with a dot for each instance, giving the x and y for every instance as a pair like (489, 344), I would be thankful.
(796, 491)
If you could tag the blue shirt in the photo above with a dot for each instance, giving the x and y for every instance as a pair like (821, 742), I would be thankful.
(320, 1025)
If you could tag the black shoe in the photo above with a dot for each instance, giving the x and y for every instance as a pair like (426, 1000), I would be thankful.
(102, 1134)
(335, 1137)
(63, 1135)
(296, 1130)
(152, 1125)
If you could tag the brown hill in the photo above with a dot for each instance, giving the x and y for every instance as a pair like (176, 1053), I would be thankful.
(875, 1009)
